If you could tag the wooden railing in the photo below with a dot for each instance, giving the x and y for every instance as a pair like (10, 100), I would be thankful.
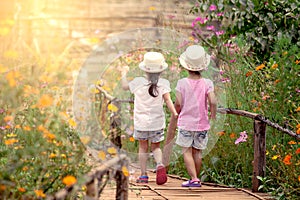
(94, 181)
(259, 126)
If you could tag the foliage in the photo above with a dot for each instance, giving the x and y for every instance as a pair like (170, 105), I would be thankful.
(260, 23)
(39, 145)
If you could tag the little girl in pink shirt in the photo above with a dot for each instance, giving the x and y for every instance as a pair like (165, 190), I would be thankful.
(193, 95)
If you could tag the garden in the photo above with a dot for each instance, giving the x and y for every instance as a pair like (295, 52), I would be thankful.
(256, 67)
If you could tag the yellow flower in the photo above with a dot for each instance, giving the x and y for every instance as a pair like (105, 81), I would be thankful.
(69, 180)
(39, 193)
(72, 123)
(125, 171)
(4, 31)
(152, 8)
(260, 67)
(275, 157)
(112, 150)
(85, 139)
(11, 54)
(112, 107)
(101, 155)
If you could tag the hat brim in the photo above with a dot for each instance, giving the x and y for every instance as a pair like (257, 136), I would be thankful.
(188, 66)
(143, 67)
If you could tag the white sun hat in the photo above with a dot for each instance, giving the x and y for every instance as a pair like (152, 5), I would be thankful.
(154, 62)
(194, 58)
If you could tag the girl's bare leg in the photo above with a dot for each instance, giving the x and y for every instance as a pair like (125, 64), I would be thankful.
(189, 162)
(143, 156)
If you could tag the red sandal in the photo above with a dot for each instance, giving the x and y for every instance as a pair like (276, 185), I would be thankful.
(161, 175)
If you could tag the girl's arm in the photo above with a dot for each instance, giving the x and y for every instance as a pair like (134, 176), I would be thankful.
(170, 105)
(212, 101)
(124, 80)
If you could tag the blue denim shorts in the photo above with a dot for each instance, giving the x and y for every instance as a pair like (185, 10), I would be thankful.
(152, 136)
(196, 139)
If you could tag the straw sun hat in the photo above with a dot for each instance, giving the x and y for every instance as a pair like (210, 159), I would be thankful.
(154, 62)
(194, 58)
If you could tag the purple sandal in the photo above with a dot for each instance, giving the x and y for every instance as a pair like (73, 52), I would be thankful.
(191, 183)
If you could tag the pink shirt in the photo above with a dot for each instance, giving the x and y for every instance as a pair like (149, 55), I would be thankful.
(149, 113)
(194, 113)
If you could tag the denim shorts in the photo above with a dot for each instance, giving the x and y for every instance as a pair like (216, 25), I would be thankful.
(196, 139)
(152, 136)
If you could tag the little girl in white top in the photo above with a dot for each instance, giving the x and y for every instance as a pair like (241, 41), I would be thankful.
(150, 93)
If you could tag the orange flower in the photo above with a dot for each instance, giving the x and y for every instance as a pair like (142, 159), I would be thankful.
(260, 67)
(39, 193)
(292, 142)
(297, 151)
(298, 109)
(232, 135)
(297, 62)
(2, 187)
(249, 73)
(21, 189)
(274, 66)
(11, 141)
(26, 128)
(287, 160)
(52, 155)
(8, 118)
(131, 139)
(45, 101)
(69, 180)
(276, 81)
(299, 178)
(221, 133)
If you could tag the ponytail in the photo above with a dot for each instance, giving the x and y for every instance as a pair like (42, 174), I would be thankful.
(153, 88)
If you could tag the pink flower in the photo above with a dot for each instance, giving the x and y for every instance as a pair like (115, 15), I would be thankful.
(210, 28)
(243, 137)
(200, 20)
(220, 14)
(212, 7)
(221, 32)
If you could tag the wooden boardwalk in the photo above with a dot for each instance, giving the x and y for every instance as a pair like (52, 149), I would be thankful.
(172, 190)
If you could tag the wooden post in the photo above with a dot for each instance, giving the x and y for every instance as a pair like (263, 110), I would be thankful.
(259, 163)
(91, 190)
(122, 186)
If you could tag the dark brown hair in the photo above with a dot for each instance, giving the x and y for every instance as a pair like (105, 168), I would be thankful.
(153, 78)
